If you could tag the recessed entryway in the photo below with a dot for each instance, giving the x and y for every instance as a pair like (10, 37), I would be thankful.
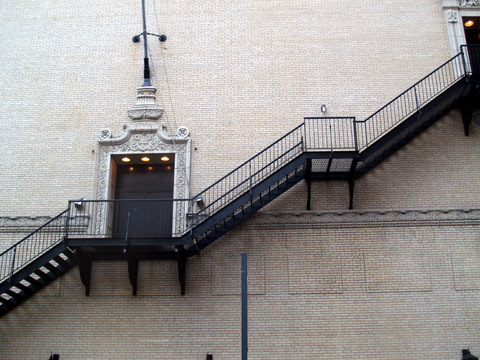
(143, 190)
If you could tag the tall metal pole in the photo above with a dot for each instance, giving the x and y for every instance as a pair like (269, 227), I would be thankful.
(244, 308)
(146, 67)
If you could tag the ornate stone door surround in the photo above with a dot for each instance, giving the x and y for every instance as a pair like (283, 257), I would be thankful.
(144, 136)
(454, 11)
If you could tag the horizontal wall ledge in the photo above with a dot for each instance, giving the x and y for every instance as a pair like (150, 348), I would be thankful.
(403, 217)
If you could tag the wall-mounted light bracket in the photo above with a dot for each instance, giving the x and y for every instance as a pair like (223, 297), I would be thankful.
(161, 38)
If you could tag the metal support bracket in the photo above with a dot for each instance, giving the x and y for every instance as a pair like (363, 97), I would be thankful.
(133, 272)
(85, 267)
(182, 263)
(308, 172)
(351, 181)
(466, 109)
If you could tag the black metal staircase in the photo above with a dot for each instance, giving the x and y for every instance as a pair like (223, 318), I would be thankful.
(33, 263)
(318, 149)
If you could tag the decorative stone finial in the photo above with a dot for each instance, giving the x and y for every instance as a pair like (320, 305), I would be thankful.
(145, 109)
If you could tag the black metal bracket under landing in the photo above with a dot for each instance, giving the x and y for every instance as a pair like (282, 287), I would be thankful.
(349, 176)
(85, 268)
(469, 99)
(182, 263)
(133, 259)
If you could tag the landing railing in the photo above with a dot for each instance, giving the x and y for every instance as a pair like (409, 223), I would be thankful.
(32, 246)
(124, 218)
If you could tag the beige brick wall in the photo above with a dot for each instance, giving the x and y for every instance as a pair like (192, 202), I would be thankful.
(317, 291)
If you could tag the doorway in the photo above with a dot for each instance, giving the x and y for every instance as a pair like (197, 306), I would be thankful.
(471, 27)
(143, 190)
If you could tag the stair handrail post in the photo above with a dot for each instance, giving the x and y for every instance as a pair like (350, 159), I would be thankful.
(251, 181)
(12, 268)
(126, 229)
(331, 138)
(416, 97)
(464, 59)
(67, 221)
(304, 137)
(355, 138)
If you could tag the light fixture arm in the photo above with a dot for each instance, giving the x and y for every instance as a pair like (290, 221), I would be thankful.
(136, 39)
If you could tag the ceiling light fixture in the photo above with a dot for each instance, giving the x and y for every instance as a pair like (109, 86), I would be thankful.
(469, 23)
(126, 159)
(164, 158)
(145, 158)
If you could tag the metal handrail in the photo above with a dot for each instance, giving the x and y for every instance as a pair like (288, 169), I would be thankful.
(410, 101)
(31, 246)
(251, 172)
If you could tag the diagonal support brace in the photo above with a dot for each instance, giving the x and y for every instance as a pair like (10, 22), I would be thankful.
(466, 109)
(182, 264)
(351, 181)
(133, 272)
(85, 267)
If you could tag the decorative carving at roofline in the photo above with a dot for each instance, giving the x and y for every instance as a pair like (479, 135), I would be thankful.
(369, 218)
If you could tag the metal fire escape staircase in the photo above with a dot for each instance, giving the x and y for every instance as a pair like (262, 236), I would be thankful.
(318, 149)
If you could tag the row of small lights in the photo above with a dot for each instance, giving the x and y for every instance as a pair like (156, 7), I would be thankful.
(145, 158)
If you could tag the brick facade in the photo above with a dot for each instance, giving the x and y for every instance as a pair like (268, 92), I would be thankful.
(397, 276)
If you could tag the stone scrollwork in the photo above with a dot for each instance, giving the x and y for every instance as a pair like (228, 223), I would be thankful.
(452, 16)
(144, 142)
(105, 134)
(468, 2)
(183, 131)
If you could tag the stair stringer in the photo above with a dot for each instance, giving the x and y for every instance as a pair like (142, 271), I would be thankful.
(26, 282)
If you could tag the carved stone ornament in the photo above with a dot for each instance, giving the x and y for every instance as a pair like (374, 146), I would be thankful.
(452, 16)
(105, 134)
(145, 109)
(183, 131)
(468, 2)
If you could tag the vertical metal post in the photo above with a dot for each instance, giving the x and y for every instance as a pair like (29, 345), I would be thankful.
(146, 68)
(244, 308)
(12, 268)
(355, 137)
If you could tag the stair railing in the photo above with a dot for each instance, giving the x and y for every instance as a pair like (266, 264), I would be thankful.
(246, 176)
(32, 246)
(410, 101)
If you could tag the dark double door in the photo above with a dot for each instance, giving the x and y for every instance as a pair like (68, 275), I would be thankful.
(143, 201)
